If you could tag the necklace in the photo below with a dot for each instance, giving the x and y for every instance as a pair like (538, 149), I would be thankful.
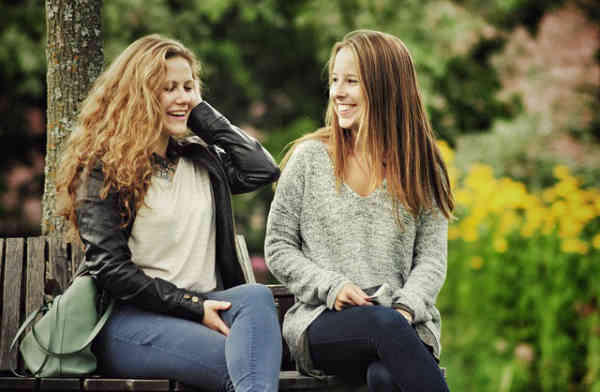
(163, 167)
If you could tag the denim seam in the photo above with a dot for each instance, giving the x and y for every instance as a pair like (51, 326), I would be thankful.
(158, 348)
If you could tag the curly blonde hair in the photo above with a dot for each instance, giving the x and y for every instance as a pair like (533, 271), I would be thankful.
(119, 126)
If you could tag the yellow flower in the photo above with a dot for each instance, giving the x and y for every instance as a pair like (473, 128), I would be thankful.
(574, 245)
(508, 221)
(453, 233)
(561, 172)
(500, 244)
(470, 234)
(549, 195)
(463, 197)
(476, 262)
(596, 241)
(446, 151)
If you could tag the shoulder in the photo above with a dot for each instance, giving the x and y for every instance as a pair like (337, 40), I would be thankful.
(308, 151)
(433, 217)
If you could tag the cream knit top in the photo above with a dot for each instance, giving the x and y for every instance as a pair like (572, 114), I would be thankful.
(173, 235)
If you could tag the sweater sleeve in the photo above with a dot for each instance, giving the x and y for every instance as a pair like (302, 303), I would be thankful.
(428, 272)
(309, 282)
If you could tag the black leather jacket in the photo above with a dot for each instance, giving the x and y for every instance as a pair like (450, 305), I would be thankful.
(235, 162)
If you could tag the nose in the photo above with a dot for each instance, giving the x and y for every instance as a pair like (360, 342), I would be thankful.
(338, 90)
(182, 96)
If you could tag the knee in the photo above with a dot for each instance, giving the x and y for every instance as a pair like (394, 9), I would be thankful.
(379, 378)
(386, 319)
(259, 295)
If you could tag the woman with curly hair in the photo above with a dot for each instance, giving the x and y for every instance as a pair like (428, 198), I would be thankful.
(358, 226)
(151, 203)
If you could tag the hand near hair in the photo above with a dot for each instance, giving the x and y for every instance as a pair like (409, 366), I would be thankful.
(197, 95)
(211, 315)
(351, 295)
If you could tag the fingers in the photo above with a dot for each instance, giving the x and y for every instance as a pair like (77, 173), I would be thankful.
(197, 92)
(212, 319)
(219, 305)
(351, 295)
(221, 326)
(406, 315)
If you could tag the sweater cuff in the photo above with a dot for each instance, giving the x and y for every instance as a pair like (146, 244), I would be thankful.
(412, 304)
(334, 291)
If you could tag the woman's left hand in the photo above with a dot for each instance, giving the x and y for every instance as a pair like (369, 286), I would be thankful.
(197, 95)
(406, 315)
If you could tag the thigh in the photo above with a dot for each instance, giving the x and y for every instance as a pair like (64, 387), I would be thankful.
(136, 343)
(340, 342)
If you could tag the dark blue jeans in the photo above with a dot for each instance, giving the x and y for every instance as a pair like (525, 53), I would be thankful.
(136, 343)
(376, 345)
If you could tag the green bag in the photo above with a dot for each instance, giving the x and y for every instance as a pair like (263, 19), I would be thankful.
(59, 344)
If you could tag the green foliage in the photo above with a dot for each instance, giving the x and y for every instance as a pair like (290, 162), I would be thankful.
(22, 72)
(511, 13)
(470, 93)
(523, 320)
(263, 66)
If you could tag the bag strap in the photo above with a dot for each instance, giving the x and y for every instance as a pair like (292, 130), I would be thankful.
(26, 324)
(87, 342)
(20, 332)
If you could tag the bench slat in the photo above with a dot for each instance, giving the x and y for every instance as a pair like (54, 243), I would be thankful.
(60, 384)
(114, 384)
(11, 304)
(59, 265)
(11, 383)
(292, 380)
(34, 283)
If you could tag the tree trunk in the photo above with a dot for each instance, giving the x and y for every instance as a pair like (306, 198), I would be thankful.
(74, 54)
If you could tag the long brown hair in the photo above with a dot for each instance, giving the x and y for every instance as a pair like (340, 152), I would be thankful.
(394, 132)
(119, 126)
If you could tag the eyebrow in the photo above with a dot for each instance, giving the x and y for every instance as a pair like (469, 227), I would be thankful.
(346, 74)
(171, 82)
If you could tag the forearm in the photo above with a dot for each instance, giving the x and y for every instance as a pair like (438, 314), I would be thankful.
(248, 164)
(428, 274)
(305, 279)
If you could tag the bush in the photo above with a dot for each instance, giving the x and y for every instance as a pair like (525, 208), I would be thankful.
(519, 305)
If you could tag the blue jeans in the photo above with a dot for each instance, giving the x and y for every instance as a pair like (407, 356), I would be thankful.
(376, 345)
(136, 343)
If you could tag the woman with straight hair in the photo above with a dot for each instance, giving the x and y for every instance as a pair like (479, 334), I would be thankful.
(358, 226)
(151, 203)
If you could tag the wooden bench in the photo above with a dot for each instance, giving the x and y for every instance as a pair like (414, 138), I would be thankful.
(33, 267)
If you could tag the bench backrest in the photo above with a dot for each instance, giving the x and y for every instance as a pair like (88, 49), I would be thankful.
(36, 266)
(31, 267)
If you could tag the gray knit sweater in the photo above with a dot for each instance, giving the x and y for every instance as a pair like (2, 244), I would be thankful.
(318, 239)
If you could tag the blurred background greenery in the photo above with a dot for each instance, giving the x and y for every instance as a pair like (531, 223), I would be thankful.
(513, 91)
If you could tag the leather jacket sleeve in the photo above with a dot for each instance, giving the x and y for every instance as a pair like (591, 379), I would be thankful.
(108, 257)
(247, 163)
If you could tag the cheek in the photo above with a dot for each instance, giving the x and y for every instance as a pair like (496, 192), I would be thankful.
(165, 100)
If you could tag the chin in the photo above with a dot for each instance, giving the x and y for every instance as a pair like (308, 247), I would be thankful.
(179, 131)
(350, 125)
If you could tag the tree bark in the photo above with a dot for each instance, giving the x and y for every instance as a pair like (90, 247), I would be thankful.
(75, 57)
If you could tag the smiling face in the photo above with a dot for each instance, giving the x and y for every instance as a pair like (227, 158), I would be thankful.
(345, 90)
(177, 96)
